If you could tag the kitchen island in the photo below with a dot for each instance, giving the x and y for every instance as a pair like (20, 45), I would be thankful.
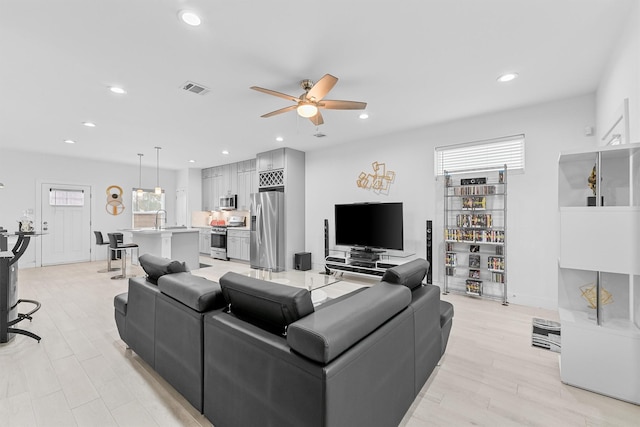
(179, 243)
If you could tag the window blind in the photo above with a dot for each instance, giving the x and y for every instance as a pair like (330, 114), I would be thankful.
(490, 154)
(63, 197)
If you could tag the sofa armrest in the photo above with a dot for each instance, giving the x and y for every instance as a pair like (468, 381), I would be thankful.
(324, 335)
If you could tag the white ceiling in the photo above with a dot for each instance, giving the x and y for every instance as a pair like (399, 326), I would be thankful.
(415, 62)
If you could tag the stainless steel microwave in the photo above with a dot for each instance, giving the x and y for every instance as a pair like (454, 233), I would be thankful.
(228, 202)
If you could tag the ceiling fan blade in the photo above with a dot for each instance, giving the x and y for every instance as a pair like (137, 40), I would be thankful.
(280, 111)
(274, 93)
(342, 105)
(317, 119)
(322, 87)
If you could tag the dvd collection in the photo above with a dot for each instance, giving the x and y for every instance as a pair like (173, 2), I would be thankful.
(450, 260)
(495, 263)
(474, 287)
(474, 220)
(479, 236)
(475, 190)
(497, 277)
(474, 274)
(474, 261)
(474, 203)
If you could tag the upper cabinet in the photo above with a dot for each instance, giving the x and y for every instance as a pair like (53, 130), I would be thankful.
(269, 160)
(247, 183)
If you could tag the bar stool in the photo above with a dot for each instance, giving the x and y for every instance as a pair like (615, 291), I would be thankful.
(116, 245)
(100, 242)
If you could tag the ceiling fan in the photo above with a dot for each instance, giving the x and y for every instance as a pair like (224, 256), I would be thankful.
(310, 103)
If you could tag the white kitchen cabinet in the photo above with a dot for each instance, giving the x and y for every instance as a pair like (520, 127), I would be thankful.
(238, 244)
(205, 241)
(207, 190)
(269, 160)
(247, 183)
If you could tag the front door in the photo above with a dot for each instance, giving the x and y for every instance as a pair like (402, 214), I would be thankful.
(66, 223)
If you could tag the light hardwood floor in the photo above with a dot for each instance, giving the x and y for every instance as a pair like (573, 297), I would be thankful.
(82, 374)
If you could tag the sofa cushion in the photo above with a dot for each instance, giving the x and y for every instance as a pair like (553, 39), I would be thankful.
(327, 333)
(195, 292)
(409, 274)
(271, 306)
(156, 267)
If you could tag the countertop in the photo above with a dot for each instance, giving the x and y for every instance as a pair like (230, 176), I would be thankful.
(161, 231)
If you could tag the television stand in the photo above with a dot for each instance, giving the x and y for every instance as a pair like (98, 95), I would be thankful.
(361, 261)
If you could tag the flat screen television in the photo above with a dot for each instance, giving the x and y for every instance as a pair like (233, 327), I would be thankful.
(370, 225)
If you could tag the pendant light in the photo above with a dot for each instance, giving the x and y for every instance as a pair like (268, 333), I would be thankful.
(140, 190)
(158, 188)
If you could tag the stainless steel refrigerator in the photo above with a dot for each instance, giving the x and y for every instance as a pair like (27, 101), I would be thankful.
(267, 230)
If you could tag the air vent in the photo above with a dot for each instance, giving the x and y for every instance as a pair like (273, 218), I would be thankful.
(195, 88)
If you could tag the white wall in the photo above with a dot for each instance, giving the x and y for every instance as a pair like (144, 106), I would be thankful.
(532, 200)
(621, 79)
(21, 173)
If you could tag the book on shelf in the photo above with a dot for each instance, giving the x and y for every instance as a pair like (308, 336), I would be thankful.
(450, 271)
(474, 248)
(474, 274)
(497, 277)
(474, 287)
(474, 261)
(499, 250)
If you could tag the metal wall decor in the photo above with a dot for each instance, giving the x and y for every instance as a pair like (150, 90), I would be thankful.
(114, 200)
(378, 181)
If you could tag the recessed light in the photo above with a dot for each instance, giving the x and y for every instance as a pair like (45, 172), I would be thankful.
(89, 124)
(364, 116)
(279, 139)
(118, 90)
(192, 161)
(225, 152)
(507, 77)
(189, 18)
(69, 141)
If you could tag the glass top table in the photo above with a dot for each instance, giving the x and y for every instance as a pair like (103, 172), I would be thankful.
(322, 286)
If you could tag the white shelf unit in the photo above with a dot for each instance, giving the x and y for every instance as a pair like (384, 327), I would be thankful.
(475, 233)
(599, 270)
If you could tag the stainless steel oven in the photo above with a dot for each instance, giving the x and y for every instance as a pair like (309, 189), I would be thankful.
(219, 242)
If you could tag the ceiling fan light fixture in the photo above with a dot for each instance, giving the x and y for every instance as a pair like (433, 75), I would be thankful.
(307, 110)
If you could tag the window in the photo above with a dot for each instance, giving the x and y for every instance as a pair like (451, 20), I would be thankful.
(59, 197)
(491, 154)
(145, 205)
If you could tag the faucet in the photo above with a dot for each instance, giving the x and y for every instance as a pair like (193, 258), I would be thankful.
(157, 215)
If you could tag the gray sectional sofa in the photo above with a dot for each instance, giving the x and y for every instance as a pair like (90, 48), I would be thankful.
(249, 352)
(161, 318)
